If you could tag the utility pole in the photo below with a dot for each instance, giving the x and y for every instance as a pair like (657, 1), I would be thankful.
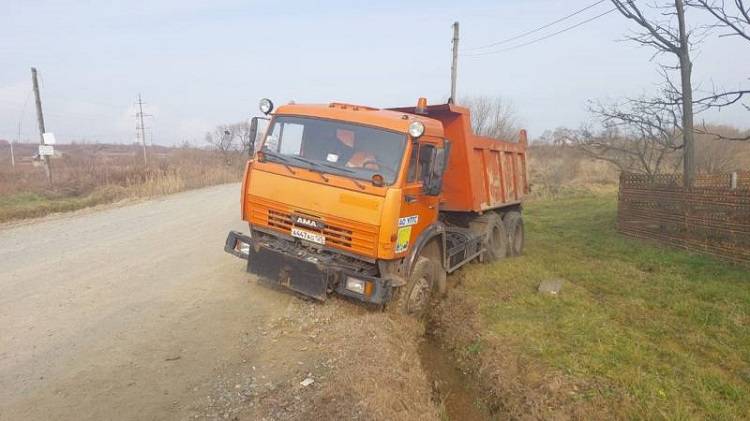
(454, 64)
(142, 130)
(40, 120)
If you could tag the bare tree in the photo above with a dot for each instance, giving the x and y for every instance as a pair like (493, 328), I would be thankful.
(636, 137)
(492, 117)
(733, 19)
(231, 139)
(242, 132)
(667, 33)
(223, 139)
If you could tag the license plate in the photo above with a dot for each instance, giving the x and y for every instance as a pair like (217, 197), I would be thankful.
(312, 237)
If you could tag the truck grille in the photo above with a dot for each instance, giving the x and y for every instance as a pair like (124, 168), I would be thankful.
(339, 233)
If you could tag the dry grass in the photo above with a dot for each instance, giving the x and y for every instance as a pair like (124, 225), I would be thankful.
(370, 370)
(559, 171)
(89, 175)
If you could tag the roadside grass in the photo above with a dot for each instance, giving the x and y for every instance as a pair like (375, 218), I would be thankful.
(653, 332)
(83, 180)
(35, 204)
(29, 205)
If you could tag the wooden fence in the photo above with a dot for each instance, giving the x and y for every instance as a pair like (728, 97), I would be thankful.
(712, 218)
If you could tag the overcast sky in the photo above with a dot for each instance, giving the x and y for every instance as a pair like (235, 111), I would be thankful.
(201, 63)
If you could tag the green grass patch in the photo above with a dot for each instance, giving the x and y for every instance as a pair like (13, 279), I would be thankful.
(28, 205)
(664, 330)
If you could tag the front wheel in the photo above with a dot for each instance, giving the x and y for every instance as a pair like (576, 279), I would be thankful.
(414, 298)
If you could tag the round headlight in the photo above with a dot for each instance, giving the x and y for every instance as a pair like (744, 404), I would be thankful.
(416, 129)
(266, 106)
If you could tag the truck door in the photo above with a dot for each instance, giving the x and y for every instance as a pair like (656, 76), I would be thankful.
(418, 209)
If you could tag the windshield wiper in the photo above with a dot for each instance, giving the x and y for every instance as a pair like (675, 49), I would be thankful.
(348, 171)
(314, 164)
(342, 169)
(305, 160)
(323, 164)
(281, 158)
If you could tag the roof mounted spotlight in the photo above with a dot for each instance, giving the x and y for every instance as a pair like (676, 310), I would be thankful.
(416, 129)
(266, 106)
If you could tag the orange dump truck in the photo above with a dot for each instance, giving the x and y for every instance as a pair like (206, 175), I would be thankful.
(377, 204)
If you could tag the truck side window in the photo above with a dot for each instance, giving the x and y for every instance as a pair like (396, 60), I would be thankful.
(272, 141)
(412, 173)
(426, 154)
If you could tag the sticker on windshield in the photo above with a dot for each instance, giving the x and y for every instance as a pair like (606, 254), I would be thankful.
(403, 239)
(332, 157)
(408, 220)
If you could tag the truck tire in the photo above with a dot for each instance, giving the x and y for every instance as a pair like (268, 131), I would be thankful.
(414, 298)
(514, 226)
(433, 251)
(495, 242)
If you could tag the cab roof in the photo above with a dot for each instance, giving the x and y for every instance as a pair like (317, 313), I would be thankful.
(389, 119)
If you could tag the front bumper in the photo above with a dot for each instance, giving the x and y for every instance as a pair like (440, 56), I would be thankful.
(302, 271)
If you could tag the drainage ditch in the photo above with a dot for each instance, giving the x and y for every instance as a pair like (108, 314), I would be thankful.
(455, 391)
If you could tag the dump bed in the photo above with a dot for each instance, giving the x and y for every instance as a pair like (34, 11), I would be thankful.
(483, 173)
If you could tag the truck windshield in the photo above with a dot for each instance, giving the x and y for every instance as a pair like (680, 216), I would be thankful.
(336, 147)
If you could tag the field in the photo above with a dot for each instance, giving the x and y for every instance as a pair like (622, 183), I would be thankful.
(92, 174)
(637, 331)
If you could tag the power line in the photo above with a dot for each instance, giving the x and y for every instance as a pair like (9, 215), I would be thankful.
(535, 30)
(534, 41)
(84, 114)
(20, 126)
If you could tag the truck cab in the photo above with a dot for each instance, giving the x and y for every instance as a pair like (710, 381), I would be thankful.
(358, 201)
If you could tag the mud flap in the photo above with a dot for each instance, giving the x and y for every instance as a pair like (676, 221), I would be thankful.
(296, 274)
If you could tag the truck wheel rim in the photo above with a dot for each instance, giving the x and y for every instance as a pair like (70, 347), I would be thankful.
(419, 296)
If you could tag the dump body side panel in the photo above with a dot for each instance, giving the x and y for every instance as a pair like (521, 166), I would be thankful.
(482, 173)
(498, 173)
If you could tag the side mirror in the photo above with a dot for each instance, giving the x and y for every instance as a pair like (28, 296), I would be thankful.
(434, 185)
(253, 135)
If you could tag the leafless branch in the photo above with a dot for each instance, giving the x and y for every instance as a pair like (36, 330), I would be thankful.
(659, 35)
(636, 136)
(705, 130)
(737, 21)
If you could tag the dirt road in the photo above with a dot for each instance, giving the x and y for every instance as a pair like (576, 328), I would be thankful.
(135, 312)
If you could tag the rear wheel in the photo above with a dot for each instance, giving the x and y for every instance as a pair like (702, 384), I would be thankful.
(495, 242)
(414, 298)
(514, 225)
